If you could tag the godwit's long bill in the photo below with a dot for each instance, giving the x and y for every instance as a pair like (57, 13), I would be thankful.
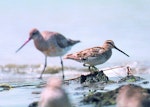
(51, 44)
(96, 55)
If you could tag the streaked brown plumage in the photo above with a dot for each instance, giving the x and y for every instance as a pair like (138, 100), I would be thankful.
(96, 55)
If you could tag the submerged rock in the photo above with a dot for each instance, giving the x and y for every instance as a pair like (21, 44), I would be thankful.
(122, 96)
(130, 78)
(94, 77)
(101, 98)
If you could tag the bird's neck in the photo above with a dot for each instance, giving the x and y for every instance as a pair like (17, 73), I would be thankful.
(108, 53)
(40, 43)
(39, 38)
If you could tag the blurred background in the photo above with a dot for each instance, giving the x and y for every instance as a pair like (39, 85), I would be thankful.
(126, 22)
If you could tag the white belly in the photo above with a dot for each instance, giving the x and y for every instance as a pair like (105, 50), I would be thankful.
(95, 60)
(54, 52)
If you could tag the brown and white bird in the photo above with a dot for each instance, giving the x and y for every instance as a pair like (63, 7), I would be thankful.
(51, 44)
(94, 56)
(54, 95)
(132, 95)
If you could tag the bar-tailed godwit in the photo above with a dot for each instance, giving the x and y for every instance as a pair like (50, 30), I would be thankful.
(50, 44)
(94, 56)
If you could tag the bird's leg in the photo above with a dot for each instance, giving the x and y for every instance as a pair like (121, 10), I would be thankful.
(94, 68)
(91, 68)
(87, 65)
(62, 66)
(45, 65)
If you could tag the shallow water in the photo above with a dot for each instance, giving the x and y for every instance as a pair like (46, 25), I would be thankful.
(26, 85)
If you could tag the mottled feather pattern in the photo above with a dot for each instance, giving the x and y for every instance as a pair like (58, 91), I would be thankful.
(91, 52)
(96, 55)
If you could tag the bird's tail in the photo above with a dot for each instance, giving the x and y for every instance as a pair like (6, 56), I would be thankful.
(73, 42)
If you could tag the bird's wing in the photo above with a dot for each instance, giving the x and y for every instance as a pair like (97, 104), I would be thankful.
(64, 42)
(85, 54)
(91, 52)
(61, 41)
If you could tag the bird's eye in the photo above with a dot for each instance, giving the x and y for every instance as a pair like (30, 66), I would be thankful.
(110, 43)
(34, 33)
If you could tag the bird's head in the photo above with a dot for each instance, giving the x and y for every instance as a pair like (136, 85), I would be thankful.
(110, 44)
(34, 33)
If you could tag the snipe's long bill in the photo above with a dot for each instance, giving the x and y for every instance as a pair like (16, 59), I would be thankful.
(95, 55)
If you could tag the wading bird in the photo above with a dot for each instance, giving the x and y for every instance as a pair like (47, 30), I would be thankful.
(54, 95)
(94, 56)
(50, 44)
(132, 95)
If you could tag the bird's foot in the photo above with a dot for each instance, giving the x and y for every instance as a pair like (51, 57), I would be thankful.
(40, 77)
(92, 69)
(63, 77)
